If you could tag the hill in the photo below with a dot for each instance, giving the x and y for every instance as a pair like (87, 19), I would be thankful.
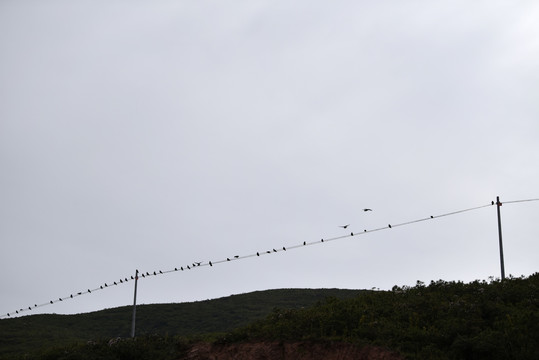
(24, 334)
(441, 320)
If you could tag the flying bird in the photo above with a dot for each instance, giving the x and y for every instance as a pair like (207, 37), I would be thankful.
(344, 226)
(367, 209)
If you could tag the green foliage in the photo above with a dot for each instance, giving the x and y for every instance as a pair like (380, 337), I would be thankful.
(445, 320)
(140, 348)
(442, 320)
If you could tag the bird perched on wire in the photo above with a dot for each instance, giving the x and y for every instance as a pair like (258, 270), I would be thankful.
(344, 226)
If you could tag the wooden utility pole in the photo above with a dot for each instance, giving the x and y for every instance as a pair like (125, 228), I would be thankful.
(134, 307)
(498, 204)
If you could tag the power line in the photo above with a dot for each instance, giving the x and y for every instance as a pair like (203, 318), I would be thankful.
(272, 250)
(519, 201)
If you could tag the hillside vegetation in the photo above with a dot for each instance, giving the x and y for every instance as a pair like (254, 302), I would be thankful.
(441, 320)
(445, 320)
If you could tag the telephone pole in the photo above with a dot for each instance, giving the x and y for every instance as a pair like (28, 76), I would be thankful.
(134, 307)
(498, 204)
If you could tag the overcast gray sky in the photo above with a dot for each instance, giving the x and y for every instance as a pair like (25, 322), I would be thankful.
(152, 134)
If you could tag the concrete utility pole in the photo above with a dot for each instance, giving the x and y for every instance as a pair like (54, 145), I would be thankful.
(134, 307)
(498, 204)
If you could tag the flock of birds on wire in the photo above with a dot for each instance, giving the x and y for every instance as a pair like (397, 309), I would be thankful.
(237, 257)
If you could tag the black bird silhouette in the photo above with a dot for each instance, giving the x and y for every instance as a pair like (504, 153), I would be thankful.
(389, 225)
(143, 275)
(351, 234)
(106, 285)
(432, 217)
(154, 273)
(115, 283)
(322, 240)
(236, 256)
(60, 299)
(51, 301)
(181, 268)
(344, 226)
(132, 278)
(147, 273)
(304, 243)
(227, 259)
(72, 296)
(367, 209)
(269, 252)
(274, 250)
(197, 263)
(101, 286)
(257, 253)
(188, 267)
(29, 308)
(175, 269)
(211, 264)
(77, 293)
(284, 248)
(89, 291)
(160, 272)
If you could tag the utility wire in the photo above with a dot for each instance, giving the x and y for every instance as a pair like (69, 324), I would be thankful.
(519, 201)
(197, 264)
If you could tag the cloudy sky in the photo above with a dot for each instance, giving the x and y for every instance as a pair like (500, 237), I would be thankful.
(151, 135)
